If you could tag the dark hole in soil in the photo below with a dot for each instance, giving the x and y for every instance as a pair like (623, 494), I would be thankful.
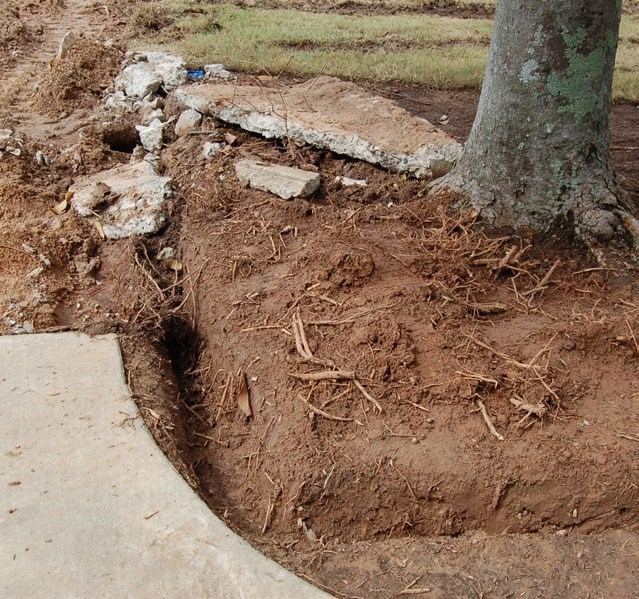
(181, 342)
(121, 137)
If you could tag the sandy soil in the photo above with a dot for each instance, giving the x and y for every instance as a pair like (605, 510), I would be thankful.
(422, 307)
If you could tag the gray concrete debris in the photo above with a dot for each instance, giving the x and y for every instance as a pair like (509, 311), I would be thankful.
(332, 114)
(98, 506)
(136, 203)
(188, 121)
(138, 80)
(283, 181)
(348, 182)
(151, 136)
(66, 43)
(170, 68)
(211, 149)
(217, 71)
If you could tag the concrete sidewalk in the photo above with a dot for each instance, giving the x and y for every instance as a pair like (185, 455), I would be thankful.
(89, 506)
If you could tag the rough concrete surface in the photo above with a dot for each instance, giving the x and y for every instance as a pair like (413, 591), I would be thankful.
(136, 204)
(332, 114)
(89, 506)
(283, 181)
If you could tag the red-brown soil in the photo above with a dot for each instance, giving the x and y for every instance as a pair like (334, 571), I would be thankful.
(388, 285)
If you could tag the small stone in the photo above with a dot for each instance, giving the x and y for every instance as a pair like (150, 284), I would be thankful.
(211, 149)
(348, 182)
(188, 121)
(283, 181)
(66, 43)
(165, 254)
(27, 326)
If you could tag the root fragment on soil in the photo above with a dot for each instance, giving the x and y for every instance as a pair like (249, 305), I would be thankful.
(325, 375)
(411, 589)
(301, 343)
(489, 422)
(543, 284)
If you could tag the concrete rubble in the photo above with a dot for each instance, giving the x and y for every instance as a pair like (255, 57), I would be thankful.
(151, 136)
(332, 114)
(188, 121)
(138, 80)
(348, 182)
(217, 71)
(126, 200)
(283, 181)
(211, 149)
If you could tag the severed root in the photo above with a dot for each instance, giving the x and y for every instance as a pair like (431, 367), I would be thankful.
(543, 284)
(326, 375)
(539, 410)
(301, 344)
(489, 422)
(337, 375)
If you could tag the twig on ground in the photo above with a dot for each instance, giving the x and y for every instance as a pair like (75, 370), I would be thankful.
(489, 422)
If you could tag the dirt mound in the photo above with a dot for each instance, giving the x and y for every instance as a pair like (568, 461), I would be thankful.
(14, 33)
(78, 79)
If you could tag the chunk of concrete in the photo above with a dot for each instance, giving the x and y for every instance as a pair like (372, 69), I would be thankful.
(217, 71)
(283, 181)
(188, 121)
(171, 68)
(138, 200)
(332, 114)
(66, 43)
(89, 505)
(211, 149)
(348, 182)
(138, 80)
(151, 135)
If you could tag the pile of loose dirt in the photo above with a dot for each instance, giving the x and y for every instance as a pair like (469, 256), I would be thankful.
(78, 79)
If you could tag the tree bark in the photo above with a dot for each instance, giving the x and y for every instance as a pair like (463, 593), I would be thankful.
(538, 154)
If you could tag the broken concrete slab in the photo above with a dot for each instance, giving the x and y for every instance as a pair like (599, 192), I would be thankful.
(332, 114)
(138, 80)
(89, 506)
(188, 121)
(137, 204)
(283, 181)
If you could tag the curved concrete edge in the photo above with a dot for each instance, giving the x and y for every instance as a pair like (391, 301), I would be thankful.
(88, 502)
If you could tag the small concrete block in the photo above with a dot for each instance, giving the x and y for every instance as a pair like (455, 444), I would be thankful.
(283, 181)
(188, 121)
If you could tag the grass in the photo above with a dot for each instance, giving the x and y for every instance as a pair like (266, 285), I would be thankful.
(442, 52)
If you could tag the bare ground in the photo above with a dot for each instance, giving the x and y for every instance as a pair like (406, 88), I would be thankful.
(422, 307)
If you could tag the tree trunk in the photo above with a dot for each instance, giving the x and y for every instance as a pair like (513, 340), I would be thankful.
(537, 156)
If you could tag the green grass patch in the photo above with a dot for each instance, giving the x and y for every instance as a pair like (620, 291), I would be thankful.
(437, 51)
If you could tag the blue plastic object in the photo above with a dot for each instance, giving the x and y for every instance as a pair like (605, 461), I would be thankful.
(196, 74)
